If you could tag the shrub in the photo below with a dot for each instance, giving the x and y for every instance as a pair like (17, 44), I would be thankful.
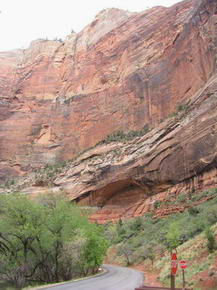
(181, 197)
(157, 204)
(137, 224)
(211, 242)
(182, 107)
(193, 211)
(122, 136)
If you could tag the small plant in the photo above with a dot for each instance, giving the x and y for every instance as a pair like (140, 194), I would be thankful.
(157, 204)
(172, 115)
(211, 242)
(181, 198)
(193, 211)
(182, 107)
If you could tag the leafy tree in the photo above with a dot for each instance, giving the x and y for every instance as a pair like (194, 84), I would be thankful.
(46, 241)
(173, 236)
(126, 250)
(94, 252)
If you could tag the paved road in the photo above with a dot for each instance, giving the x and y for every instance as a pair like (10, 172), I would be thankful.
(117, 278)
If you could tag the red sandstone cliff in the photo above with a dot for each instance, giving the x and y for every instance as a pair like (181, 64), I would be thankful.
(124, 71)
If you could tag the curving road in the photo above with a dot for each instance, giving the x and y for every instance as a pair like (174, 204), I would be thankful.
(117, 278)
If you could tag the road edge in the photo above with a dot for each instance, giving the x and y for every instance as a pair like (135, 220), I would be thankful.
(104, 271)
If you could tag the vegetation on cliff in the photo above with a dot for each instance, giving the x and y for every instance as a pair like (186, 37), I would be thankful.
(46, 241)
(148, 240)
(120, 136)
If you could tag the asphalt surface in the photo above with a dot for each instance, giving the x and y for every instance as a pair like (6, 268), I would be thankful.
(117, 278)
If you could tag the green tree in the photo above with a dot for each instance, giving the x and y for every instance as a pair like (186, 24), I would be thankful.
(20, 225)
(126, 250)
(173, 236)
(95, 251)
(46, 241)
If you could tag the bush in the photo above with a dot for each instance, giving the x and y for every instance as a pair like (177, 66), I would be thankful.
(211, 242)
(182, 108)
(157, 204)
(181, 197)
(193, 211)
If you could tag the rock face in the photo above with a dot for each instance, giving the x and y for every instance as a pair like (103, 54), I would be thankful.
(124, 71)
(125, 179)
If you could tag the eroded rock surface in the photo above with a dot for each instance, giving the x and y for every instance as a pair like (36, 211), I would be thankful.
(125, 179)
(124, 71)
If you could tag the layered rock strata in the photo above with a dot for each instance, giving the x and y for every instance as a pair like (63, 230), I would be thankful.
(124, 71)
(126, 179)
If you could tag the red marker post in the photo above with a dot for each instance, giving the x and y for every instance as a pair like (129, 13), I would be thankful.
(183, 265)
(174, 268)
